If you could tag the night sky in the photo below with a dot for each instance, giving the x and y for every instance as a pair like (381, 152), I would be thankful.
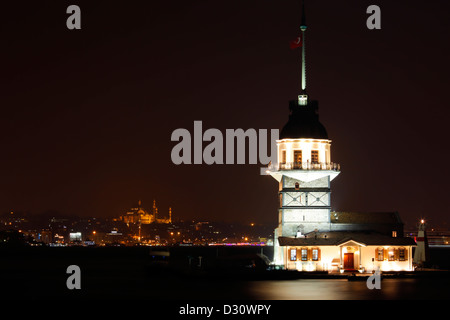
(87, 115)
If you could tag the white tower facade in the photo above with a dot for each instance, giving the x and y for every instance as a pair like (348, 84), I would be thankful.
(304, 174)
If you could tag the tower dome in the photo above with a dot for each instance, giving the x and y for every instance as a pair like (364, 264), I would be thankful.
(303, 122)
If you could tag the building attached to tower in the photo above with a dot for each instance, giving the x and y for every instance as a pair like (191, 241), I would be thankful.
(309, 236)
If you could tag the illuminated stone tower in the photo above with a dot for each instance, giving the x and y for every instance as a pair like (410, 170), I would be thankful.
(304, 169)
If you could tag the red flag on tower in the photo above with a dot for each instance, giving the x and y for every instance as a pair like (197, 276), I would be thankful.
(297, 43)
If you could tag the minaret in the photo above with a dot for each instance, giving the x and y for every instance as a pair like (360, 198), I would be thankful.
(304, 170)
(140, 218)
(155, 210)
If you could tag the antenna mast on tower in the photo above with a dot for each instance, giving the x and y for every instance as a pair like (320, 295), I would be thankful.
(303, 97)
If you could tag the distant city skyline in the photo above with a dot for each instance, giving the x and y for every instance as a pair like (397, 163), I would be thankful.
(87, 114)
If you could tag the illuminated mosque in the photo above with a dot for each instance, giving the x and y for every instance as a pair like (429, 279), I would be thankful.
(139, 215)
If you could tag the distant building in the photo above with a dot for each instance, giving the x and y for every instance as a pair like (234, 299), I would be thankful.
(309, 236)
(75, 237)
(45, 236)
(140, 216)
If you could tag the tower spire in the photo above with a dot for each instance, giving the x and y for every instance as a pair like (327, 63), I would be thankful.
(303, 97)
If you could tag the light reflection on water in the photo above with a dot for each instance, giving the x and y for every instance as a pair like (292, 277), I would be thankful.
(336, 289)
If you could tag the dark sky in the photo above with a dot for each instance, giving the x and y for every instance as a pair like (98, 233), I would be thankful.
(87, 115)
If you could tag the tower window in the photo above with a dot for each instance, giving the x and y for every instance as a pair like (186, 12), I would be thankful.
(314, 156)
(297, 158)
(297, 186)
(283, 156)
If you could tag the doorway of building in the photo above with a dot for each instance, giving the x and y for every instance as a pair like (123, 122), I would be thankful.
(348, 261)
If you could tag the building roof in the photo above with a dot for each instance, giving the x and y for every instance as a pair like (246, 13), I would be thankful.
(336, 238)
(303, 122)
(365, 217)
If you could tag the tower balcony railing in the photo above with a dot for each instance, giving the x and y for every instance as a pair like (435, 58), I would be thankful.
(305, 166)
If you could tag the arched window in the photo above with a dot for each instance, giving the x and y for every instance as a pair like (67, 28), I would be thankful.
(293, 254)
(304, 254)
(379, 254)
(391, 254)
(402, 254)
(315, 254)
